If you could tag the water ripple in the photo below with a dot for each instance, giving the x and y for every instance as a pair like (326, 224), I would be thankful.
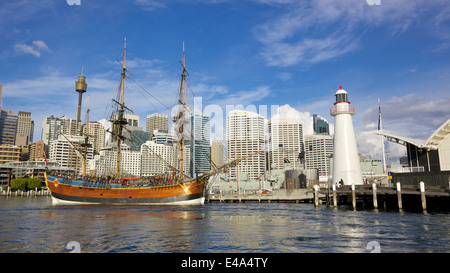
(33, 225)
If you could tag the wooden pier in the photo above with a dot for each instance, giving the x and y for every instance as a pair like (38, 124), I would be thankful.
(22, 193)
(278, 196)
(414, 198)
(421, 197)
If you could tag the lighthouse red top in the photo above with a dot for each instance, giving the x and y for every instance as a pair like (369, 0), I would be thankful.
(341, 96)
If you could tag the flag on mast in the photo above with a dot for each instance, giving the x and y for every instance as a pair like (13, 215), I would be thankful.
(380, 127)
(379, 115)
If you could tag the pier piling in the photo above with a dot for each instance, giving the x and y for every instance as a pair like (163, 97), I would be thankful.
(353, 197)
(423, 196)
(334, 196)
(375, 201)
(316, 196)
(399, 196)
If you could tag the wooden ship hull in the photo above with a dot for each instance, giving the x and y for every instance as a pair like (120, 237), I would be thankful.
(73, 191)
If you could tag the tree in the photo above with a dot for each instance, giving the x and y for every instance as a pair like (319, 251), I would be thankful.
(25, 183)
(18, 184)
(33, 183)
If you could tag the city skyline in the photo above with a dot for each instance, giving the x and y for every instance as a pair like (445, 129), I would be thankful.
(257, 52)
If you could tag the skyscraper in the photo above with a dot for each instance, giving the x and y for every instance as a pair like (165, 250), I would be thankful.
(245, 135)
(25, 128)
(157, 122)
(8, 127)
(320, 125)
(285, 143)
(199, 144)
(52, 127)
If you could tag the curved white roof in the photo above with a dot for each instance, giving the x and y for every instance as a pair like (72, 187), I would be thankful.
(432, 143)
(401, 139)
(440, 134)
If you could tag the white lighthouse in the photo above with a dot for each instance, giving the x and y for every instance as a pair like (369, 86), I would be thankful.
(346, 166)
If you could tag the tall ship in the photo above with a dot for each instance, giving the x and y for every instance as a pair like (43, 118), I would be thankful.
(174, 189)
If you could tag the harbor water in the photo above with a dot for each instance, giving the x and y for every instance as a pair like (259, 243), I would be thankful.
(33, 224)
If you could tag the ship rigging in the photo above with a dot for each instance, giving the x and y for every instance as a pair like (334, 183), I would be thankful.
(173, 188)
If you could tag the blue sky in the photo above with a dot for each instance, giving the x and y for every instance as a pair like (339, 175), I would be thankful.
(249, 52)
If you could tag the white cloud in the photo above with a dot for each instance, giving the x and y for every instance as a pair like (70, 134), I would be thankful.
(40, 45)
(319, 30)
(309, 50)
(411, 115)
(245, 97)
(304, 118)
(222, 96)
(27, 49)
(107, 125)
(36, 48)
(284, 76)
(150, 4)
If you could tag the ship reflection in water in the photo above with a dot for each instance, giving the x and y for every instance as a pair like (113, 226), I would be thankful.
(34, 225)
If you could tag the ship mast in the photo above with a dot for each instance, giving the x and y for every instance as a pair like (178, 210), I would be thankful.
(181, 114)
(86, 140)
(119, 121)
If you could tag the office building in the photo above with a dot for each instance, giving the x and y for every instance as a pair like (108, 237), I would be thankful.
(318, 149)
(9, 153)
(156, 157)
(245, 136)
(105, 163)
(96, 135)
(67, 150)
(217, 154)
(285, 142)
(199, 145)
(320, 125)
(52, 127)
(162, 137)
(37, 151)
(135, 137)
(133, 120)
(24, 152)
(25, 128)
(8, 127)
(157, 122)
